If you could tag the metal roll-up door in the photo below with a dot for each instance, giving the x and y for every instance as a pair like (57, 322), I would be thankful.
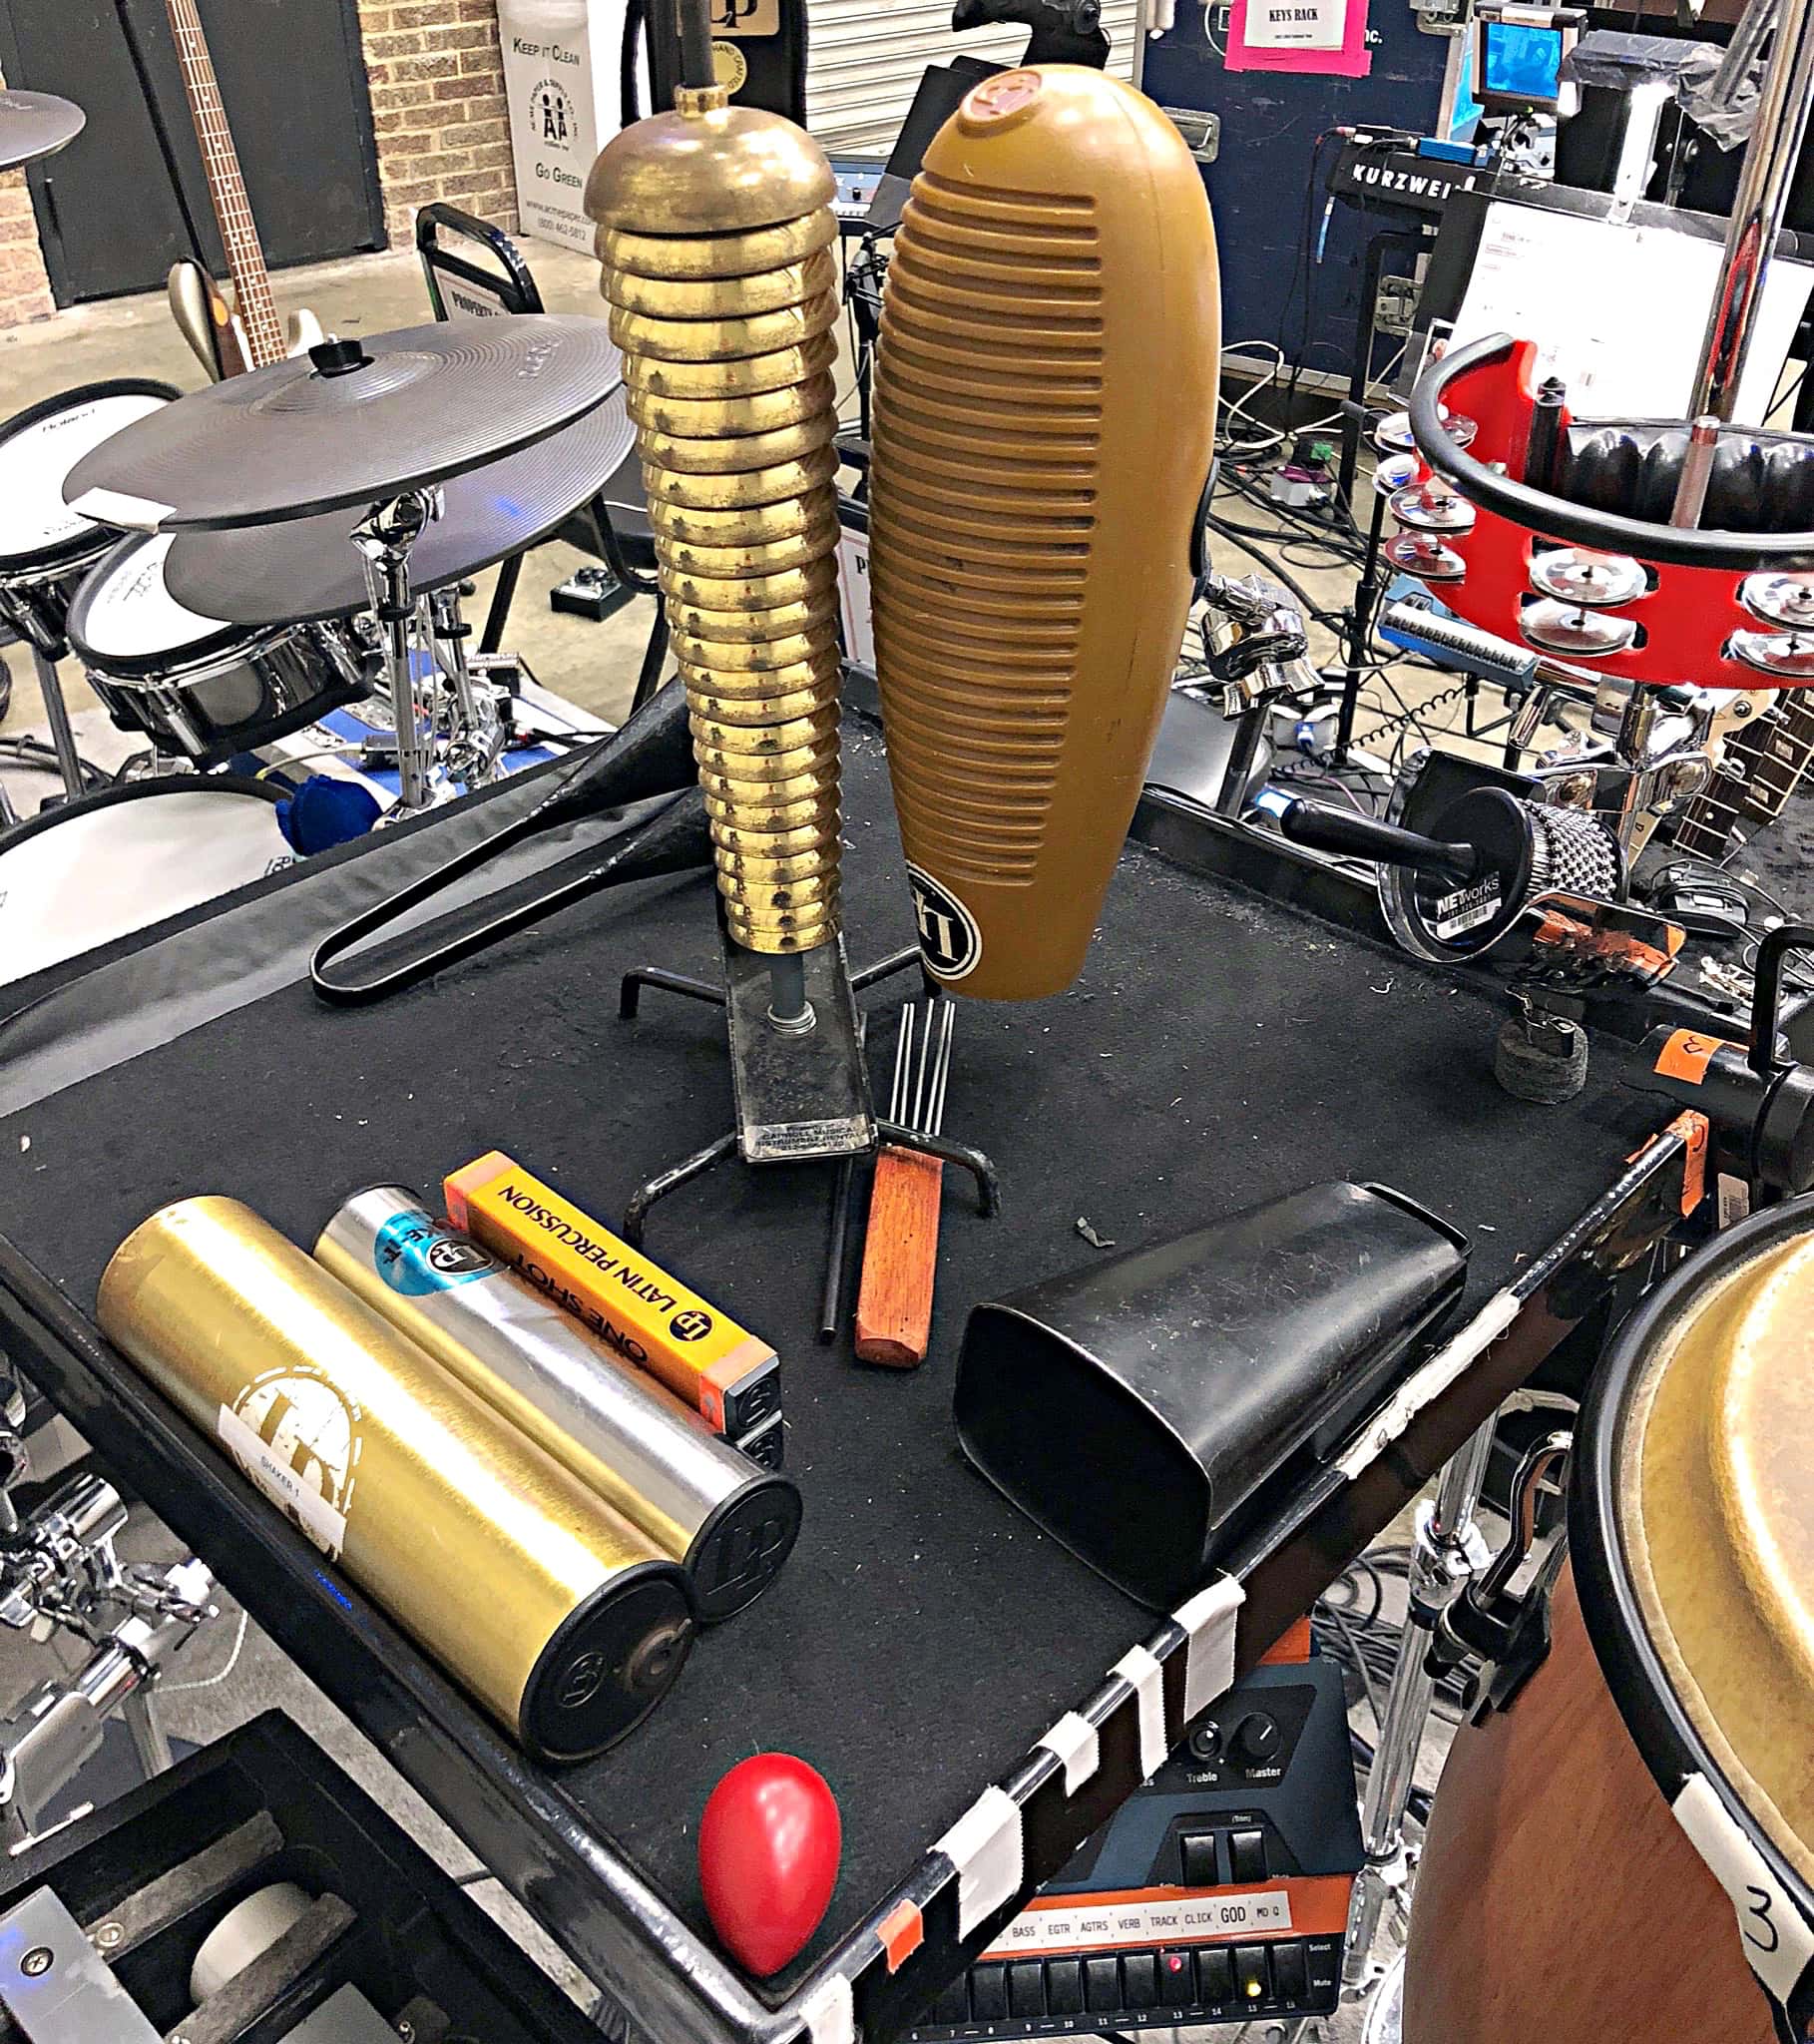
(864, 61)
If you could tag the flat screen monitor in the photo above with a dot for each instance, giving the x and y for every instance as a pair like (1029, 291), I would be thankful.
(1518, 58)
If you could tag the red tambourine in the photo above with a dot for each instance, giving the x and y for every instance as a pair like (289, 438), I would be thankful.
(1633, 596)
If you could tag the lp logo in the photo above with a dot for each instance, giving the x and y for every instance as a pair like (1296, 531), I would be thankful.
(950, 941)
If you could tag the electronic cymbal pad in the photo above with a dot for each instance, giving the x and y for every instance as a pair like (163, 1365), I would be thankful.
(352, 423)
(308, 568)
(34, 125)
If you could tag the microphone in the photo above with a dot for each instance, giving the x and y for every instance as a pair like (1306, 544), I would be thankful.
(1045, 401)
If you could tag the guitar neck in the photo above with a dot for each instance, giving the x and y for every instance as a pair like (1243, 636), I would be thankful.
(1762, 767)
(226, 187)
(1784, 749)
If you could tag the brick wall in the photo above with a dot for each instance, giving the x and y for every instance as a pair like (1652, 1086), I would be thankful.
(24, 288)
(439, 105)
(438, 111)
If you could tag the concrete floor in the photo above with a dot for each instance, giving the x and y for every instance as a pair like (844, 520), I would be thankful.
(233, 1671)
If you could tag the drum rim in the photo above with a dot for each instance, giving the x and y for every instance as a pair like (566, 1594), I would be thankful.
(1665, 1738)
(245, 641)
(69, 552)
(133, 791)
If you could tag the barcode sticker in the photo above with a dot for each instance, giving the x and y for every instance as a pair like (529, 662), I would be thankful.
(1468, 908)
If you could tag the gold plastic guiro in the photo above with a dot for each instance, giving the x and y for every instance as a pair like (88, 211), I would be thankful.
(1044, 400)
(716, 238)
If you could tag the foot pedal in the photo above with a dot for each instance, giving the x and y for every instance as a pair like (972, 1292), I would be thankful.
(593, 593)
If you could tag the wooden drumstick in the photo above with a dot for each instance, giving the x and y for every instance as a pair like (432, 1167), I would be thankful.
(901, 1245)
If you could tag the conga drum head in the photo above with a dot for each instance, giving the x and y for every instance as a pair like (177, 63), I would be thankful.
(38, 448)
(1625, 1848)
(1693, 1535)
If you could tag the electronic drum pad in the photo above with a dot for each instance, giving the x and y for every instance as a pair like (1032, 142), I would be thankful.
(34, 125)
(308, 568)
(352, 423)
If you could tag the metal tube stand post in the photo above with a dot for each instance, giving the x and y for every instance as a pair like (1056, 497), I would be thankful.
(1448, 1553)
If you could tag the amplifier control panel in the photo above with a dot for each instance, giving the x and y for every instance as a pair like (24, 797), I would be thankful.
(1216, 1893)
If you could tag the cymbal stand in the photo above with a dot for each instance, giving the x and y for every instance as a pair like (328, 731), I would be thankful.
(384, 540)
(1448, 1553)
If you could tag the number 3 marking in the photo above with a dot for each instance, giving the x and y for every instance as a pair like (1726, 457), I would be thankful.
(1761, 1910)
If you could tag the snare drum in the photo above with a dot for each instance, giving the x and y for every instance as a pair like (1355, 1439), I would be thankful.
(46, 548)
(198, 688)
(99, 868)
(1628, 1849)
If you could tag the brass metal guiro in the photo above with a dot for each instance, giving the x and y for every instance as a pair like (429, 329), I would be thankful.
(716, 238)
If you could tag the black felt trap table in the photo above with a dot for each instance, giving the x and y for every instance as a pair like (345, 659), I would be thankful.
(1217, 1051)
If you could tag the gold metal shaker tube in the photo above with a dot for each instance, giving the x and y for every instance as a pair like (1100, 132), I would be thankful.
(557, 1614)
(714, 240)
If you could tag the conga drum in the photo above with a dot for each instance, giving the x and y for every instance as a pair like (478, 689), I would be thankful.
(1628, 1851)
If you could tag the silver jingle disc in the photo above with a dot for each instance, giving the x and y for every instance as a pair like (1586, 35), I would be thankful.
(1424, 555)
(1787, 655)
(1393, 433)
(1429, 509)
(1578, 575)
(1568, 628)
(1394, 473)
(1780, 598)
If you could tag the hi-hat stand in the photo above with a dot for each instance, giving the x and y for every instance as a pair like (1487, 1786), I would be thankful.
(384, 539)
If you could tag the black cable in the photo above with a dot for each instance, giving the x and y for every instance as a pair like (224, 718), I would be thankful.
(1345, 536)
(36, 753)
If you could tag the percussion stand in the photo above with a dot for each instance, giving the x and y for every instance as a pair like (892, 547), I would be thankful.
(384, 540)
(799, 1080)
(1448, 1554)
(56, 713)
(35, 630)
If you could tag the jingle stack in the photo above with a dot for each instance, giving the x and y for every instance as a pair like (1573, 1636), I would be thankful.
(716, 236)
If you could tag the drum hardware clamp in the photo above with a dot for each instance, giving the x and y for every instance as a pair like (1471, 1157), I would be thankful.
(1501, 1622)
(1258, 650)
(58, 1570)
(1758, 1096)
(384, 540)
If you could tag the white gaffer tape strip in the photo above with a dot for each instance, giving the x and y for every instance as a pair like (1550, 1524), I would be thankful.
(1209, 1621)
(985, 1847)
(1431, 1382)
(1137, 1667)
(1073, 1738)
(115, 507)
(1778, 1940)
(830, 2012)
